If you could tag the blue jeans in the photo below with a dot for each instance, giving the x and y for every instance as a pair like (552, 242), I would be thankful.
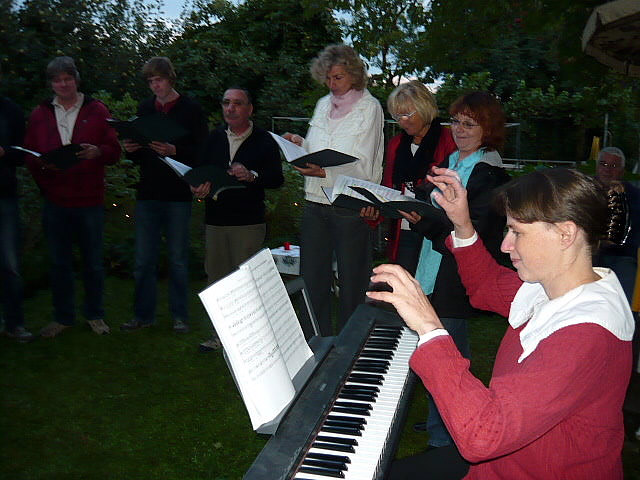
(153, 218)
(63, 226)
(438, 434)
(10, 279)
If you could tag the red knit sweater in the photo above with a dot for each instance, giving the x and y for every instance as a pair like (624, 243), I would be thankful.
(82, 185)
(556, 415)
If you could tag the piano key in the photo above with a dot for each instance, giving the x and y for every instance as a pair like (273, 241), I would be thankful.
(351, 431)
(329, 456)
(322, 471)
(333, 447)
(325, 463)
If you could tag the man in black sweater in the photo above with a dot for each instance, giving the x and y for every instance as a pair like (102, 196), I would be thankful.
(11, 133)
(163, 198)
(235, 220)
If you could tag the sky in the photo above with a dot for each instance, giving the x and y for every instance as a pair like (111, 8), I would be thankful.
(173, 8)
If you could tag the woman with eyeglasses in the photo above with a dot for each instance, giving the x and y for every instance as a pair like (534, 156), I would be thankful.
(478, 129)
(350, 120)
(424, 143)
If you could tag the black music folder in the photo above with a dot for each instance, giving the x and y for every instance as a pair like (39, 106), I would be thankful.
(196, 176)
(148, 128)
(63, 157)
(299, 157)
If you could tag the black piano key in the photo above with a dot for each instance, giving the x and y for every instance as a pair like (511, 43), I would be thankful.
(368, 397)
(328, 456)
(372, 362)
(377, 354)
(385, 343)
(340, 440)
(353, 411)
(334, 446)
(371, 369)
(369, 381)
(325, 472)
(325, 464)
(338, 423)
(343, 418)
(355, 432)
(353, 405)
(372, 376)
(360, 388)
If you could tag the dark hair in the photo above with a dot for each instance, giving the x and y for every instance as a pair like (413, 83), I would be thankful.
(242, 89)
(557, 195)
(485, 109)
(61, 65)
(159, 67)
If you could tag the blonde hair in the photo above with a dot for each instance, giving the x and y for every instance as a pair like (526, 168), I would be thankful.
(415, 95)
(344, 56)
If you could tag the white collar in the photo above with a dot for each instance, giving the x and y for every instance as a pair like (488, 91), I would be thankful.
(602, 302)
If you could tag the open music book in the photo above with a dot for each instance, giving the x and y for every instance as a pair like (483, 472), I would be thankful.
(219, 178)
(298, 156)
(62, 157)
(261, 335)
(147, 128)
(353, 193)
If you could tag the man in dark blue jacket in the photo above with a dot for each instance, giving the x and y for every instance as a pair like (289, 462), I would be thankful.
(235, 220)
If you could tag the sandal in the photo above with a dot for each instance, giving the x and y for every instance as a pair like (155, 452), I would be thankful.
(53, 329)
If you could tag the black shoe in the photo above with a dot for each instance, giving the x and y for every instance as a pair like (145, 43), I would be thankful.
(133, 324)
(420, 427)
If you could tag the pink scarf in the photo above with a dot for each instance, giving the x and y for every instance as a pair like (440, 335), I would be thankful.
(341, 105)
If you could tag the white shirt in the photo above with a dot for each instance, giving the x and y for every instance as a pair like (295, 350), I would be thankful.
(66, 119)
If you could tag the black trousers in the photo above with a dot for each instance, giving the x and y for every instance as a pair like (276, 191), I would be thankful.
(444, 463)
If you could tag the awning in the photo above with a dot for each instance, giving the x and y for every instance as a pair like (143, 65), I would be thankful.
(612, 36)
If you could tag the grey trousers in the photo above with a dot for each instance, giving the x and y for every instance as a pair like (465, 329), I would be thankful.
(229, 246)
(327, 230)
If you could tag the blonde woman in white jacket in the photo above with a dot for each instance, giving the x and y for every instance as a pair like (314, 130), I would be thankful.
(350, 120)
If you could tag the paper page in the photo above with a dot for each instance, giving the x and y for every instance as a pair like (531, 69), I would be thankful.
(35, 154)
(284, 321)
(238, 315)
(290, 150)
(179, 168)
(343, 182)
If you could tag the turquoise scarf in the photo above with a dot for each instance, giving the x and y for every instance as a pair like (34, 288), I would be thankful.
(429, 262)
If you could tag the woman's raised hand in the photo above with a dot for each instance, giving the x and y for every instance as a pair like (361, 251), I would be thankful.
(452, 197)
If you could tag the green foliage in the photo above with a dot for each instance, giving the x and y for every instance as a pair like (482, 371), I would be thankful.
(385, 32)
(263, 45)
(284, 209)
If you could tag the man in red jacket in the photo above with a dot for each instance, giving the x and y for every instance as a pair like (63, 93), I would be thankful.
(73, 195)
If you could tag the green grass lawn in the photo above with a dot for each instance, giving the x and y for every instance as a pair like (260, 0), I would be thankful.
(146, 404)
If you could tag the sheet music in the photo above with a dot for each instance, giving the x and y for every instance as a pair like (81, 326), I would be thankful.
(290, 150)
(385, 194)
(238, 314)
(282, 316)
(178, 167)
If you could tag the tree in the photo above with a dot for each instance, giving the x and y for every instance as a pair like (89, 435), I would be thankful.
(108, 40)
(385, 32)
(261, 44)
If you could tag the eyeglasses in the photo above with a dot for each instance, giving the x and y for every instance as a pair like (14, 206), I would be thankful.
(403, 116)
(463, 123)
(235, 103)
